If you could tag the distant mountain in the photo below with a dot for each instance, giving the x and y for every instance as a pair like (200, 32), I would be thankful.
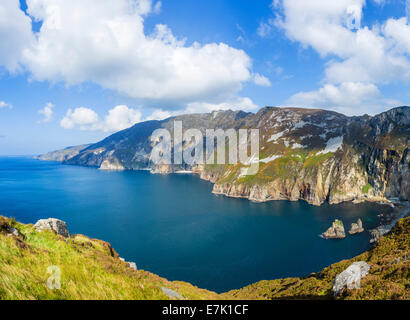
(62, 155)
(305, 154)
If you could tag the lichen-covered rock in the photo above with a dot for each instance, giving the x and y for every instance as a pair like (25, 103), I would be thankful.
(336, 231)
(351, 277)
(58, 226)
(356, 227)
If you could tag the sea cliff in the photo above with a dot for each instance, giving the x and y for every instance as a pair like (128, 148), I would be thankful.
(305, 154)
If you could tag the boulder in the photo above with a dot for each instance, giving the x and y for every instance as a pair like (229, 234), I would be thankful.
(356, 227)
(336, 231)
(132, 265)
(14, 232)
(58, 226)
(351, 277)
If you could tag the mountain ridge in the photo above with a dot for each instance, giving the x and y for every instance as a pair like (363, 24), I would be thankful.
(305, 154)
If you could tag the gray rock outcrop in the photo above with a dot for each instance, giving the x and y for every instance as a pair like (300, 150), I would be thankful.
(356, 227)
(351, 277)
(58, 226)
(336, 231)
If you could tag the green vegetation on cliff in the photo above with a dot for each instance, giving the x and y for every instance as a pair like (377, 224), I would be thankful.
(388, 278)
(91, 269)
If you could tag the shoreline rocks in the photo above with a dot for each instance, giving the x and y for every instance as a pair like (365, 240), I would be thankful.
(58, 226)
(356, 227)
(336, 231)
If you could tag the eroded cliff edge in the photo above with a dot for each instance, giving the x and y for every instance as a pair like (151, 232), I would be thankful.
(305, 154)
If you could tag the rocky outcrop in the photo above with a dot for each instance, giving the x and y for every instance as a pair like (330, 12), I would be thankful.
(111, 164)
(401, 211)
(58, 226)
(351, 277)
(336, 231)
(356, 227)
(7, 229)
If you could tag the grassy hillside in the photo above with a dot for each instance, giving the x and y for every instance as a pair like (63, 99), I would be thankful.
(91, 269)
(388, 278)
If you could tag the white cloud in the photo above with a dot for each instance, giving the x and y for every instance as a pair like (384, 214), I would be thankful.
(15, 34)
(349, 98)
(375, 55)
(118, 118)
(160, 115)
(239, 103)
(261, 80)
(359, 57)
(47, 112)
(118, 54)
(5, 105)
(86, 118)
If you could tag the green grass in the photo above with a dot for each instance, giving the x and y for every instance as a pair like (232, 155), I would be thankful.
(389, 276)
(366, 188)
(90, 269)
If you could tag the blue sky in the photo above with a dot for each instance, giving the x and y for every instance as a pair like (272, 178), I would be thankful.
(59, 86)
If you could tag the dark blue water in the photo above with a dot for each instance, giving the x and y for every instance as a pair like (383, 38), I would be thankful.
(175, 227)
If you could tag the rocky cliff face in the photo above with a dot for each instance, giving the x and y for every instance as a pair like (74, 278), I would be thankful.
(305, 154)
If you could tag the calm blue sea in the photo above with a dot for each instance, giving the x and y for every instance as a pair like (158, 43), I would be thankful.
(175, 227)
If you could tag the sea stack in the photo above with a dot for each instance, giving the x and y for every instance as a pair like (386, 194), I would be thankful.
(336, 231)
(356, 227)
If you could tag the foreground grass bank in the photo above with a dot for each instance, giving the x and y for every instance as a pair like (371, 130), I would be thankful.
(91, 269)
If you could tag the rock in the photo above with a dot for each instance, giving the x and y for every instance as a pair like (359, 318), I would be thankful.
(172, 294)
(58, 226)
(14, 232)
(356, 227)
(122, 259)
(351, 277)
(132, 265)
(336, 231)
(401, 212)
(112, 164)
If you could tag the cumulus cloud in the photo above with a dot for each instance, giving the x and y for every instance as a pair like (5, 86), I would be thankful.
(348, 98)
(239, 103)
(118, 118)
(160, 115)
(5, 105)
(116, 53)
(121, 117)
(85, 118)
(375, 55)
(15, 34)
(365, 57)
(47, 112)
